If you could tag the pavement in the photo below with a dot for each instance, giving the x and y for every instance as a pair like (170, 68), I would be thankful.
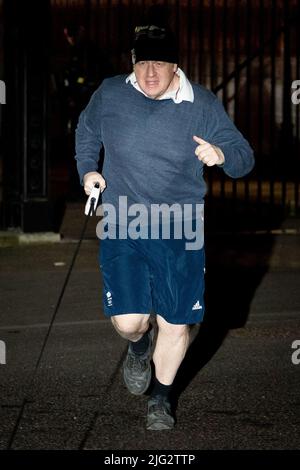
(238, 388)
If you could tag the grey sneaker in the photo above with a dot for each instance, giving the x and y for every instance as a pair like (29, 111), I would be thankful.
(159, 416)
(137, 369)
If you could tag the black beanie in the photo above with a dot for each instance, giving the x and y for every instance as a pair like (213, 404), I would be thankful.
(154, 43)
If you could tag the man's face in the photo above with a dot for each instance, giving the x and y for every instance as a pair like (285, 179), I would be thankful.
(155, 78)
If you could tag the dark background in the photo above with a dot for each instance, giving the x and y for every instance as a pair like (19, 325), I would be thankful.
(245, 51)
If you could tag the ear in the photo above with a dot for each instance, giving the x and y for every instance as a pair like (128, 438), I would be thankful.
(175, 67)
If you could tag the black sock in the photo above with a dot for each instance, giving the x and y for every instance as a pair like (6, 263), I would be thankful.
(161, 389)
(140, 347)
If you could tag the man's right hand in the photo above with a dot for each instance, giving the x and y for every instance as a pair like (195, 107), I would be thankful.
(90, 179)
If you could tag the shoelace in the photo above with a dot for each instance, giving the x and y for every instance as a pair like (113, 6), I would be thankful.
(135, 362)
(160, 407)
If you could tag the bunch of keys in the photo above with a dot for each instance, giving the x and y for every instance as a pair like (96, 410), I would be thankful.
(92, 202)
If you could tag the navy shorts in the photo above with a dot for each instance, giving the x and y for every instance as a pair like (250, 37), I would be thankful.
(153, 276)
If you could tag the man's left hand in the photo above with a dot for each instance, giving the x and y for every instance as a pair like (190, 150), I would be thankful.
(208, 153)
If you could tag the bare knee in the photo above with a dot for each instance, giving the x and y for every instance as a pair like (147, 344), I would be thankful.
(176, 332)
(131, 326)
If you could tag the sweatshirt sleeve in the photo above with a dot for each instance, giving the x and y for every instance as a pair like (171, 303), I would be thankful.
(221, 131)
(88, 138)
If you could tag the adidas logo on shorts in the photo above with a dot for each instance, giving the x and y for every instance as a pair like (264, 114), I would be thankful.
(197, 306)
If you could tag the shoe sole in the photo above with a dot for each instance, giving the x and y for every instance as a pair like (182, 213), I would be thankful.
(159, 426)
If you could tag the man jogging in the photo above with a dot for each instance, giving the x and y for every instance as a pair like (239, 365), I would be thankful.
(158, 131)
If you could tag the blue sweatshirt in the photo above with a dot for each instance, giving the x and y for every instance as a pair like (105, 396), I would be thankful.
(149, 146)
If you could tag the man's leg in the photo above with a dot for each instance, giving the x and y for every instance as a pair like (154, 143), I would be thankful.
(171, 346)
(137, 367)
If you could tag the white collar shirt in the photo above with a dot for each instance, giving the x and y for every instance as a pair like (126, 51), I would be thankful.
(183, 93)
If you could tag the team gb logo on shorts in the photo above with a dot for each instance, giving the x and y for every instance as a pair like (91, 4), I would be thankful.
(109, 299)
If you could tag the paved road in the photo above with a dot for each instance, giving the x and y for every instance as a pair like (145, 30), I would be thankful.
(238, 388)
